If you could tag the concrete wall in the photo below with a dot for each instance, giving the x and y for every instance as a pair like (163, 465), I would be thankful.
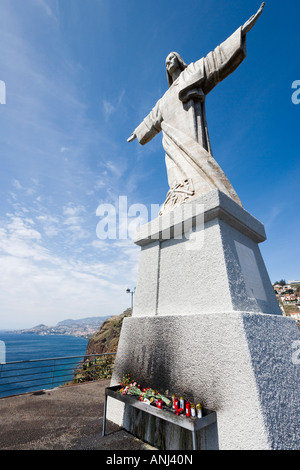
(240, 366)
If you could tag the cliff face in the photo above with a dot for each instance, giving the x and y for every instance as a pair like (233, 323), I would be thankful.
(106, 339)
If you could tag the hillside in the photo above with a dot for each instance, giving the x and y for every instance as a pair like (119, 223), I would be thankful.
(84, 327)
(97, 321)
(106, 339)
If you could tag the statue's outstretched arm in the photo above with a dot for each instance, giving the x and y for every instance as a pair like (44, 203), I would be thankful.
(251, 22)
(149, 127)
(131, 138)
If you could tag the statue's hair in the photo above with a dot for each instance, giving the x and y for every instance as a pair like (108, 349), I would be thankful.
(182, 66)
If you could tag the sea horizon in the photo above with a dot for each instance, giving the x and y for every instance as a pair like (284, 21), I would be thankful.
(31, 347)
(24, 346)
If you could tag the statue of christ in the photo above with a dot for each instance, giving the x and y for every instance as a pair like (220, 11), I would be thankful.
(180, 115)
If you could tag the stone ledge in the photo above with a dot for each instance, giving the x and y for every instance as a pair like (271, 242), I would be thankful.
(213, 205)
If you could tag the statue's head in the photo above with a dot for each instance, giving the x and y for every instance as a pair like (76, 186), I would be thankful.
(174, 62)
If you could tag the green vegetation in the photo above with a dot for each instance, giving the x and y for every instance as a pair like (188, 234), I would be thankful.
(282, 282)
(103, 342)
(95, 368)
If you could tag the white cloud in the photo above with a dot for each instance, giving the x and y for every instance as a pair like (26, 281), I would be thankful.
(17, 184)
(109, 109)
(39, 286)
(28, 190)
(272, 216)
(50, 224)
(45, 6)
(64, 149)
(74, 221)
(22, 229)
(73, 210)
(114, 168)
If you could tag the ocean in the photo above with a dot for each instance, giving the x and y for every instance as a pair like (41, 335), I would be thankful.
(43, 374)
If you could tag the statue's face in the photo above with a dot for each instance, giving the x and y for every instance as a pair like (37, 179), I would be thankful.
(172, 63)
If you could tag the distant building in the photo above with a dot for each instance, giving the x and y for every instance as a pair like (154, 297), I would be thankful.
(294, 282)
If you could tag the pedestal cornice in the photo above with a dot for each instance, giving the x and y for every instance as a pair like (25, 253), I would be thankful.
(213, 205)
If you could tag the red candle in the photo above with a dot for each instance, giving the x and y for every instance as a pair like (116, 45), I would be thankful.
(188, 409)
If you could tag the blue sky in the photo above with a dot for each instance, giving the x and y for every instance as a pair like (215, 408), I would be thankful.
(80, 76)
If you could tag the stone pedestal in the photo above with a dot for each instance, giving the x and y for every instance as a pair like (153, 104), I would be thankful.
(216, 268)
(206, 325)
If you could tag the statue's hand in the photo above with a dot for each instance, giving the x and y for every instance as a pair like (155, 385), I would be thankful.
(251, 22)
(132, 137)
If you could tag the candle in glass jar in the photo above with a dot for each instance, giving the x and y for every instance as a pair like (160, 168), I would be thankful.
(199, 410)
(173, 398)
(181, 399)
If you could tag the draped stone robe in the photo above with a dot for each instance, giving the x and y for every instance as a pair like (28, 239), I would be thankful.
(180, 114)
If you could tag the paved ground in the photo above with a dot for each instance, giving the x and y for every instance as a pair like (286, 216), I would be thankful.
(67, 418)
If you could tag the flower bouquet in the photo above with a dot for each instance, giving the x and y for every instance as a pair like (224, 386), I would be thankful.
(166, 400)
(131, 388)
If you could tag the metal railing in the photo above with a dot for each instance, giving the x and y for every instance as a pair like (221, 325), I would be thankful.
(40, 374)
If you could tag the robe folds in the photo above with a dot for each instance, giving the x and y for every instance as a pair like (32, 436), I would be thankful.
(180, 115)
